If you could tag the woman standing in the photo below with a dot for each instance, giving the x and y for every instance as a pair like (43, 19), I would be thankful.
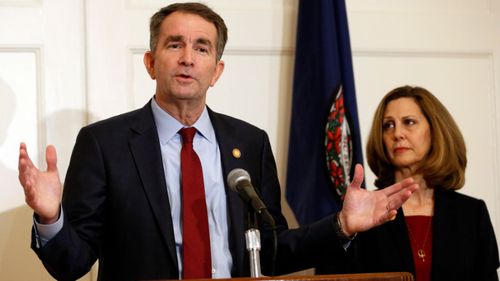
(438, 234)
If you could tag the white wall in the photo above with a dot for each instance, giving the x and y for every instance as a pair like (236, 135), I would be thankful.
(64, 63)
(452, 48)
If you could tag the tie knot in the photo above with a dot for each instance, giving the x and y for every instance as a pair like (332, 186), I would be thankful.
(187, 134)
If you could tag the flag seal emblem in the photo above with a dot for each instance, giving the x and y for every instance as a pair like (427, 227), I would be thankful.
(338, 145)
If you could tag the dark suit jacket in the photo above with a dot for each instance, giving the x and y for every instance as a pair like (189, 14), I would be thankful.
(464, 244)
(116, 207)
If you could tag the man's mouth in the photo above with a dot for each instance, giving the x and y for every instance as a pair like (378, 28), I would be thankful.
(184, 77)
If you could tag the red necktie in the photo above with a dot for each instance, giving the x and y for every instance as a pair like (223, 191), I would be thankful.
(196, 239)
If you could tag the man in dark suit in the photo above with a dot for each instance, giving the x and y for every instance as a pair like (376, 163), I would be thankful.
(122, 194)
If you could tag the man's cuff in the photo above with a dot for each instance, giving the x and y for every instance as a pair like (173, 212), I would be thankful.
(45, 232)
(344, 239)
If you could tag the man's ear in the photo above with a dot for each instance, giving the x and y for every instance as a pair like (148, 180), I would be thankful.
(149, 62)
(219, 68)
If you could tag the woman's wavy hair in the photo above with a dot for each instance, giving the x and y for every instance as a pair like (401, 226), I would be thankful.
(444, 166)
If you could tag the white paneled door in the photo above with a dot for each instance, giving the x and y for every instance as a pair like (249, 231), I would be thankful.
(450, 47)
(42, 101)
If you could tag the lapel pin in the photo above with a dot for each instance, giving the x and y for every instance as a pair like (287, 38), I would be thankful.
(236, 153)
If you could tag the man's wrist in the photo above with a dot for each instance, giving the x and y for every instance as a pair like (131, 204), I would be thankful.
(341, 234)
(45, 220)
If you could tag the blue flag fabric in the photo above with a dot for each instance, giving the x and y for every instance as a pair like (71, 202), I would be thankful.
(325, 142)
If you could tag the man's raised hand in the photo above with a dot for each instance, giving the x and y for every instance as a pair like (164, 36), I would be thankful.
(42, 190)
(364, 209)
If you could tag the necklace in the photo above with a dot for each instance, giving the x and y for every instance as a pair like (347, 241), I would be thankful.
(420, 251)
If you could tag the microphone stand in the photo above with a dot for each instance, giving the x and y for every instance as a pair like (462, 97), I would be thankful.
(252, 239)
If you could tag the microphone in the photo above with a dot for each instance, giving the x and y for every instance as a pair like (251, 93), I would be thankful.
(239, 181)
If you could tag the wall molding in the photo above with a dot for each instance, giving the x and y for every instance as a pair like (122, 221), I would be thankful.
(37, 51)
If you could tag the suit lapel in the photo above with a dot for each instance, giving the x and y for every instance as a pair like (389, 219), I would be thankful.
(145, 148)
(237, 210)
(442, 242)
(400, 237)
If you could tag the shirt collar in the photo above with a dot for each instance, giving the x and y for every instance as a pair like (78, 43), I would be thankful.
(168, 126)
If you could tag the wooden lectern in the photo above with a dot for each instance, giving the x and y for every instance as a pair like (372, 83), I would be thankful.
(386, 276)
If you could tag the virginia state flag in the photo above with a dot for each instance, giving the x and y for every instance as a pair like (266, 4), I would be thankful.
(325, 142)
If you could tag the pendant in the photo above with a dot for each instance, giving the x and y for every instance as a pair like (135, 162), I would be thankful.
(421, 254)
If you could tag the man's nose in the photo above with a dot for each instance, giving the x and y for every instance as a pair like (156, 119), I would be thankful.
(187, 57)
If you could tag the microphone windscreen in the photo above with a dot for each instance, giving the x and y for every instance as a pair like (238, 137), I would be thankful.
(235, 176)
